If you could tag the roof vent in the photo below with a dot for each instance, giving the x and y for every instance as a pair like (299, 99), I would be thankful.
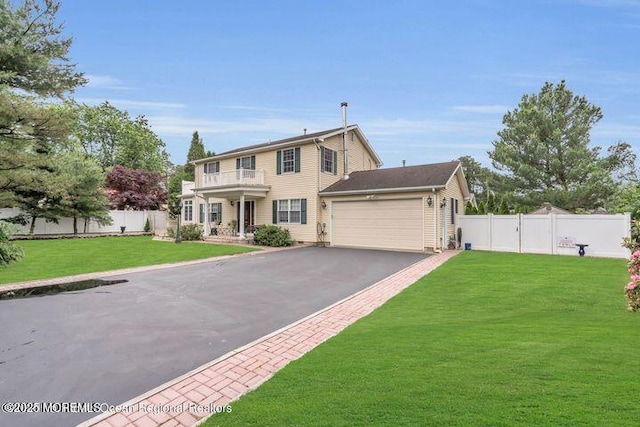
(404, 163)
(305, 131)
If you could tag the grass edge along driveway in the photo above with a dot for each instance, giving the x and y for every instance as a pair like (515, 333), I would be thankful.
(45, 259)
(486, 339)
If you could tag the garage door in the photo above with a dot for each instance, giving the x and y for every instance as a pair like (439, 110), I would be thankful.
(379, 224)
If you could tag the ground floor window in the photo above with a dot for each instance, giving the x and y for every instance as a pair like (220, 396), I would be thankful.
(215, 213)
(188, 210)
(290, 211)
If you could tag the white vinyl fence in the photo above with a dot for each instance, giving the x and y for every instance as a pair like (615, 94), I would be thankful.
(133, 221)
(547, 234)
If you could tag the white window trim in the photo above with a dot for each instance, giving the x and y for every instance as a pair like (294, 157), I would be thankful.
(242, 159)
(293, 161)
(324, 164)
(188, 210)
(213, 211)
(289, 211)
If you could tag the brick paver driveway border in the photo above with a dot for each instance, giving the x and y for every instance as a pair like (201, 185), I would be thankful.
(230, 376)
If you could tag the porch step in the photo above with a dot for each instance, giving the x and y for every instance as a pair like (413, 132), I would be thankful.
(230, 239)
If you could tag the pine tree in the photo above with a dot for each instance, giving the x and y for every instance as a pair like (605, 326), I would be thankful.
(470, 209)
(196, 152)
(491, 203)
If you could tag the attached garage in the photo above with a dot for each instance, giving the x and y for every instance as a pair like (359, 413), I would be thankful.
(396, 224)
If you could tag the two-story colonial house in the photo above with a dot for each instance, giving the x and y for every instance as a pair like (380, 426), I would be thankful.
(327, 187)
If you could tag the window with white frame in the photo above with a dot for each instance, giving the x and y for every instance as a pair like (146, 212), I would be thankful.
(188, 210)
(215, 213)
(212, 167)
(329, 161)
(288, 160)
(289, 211)
(245, 162)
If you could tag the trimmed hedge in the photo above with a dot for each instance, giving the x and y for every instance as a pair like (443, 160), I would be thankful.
(272, 235)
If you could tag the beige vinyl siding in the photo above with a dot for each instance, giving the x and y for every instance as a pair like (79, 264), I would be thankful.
(300, 185)
(453, 190)
(378, 224)
(430, 213)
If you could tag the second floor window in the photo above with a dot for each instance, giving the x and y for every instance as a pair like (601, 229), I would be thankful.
(248, 162)
(329, 160)
(288, 161)
(213, 167)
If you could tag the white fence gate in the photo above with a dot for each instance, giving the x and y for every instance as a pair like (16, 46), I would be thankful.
(133, 221)
(547, 234)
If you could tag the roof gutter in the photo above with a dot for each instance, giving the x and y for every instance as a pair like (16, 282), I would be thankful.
(257, 150)
(382, 190)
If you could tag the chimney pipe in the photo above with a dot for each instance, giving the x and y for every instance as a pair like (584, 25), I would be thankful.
(305, 131)
(404, 163)
(344, 140)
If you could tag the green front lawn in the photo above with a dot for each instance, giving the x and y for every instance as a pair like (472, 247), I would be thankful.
(54, 258)
(488, 339)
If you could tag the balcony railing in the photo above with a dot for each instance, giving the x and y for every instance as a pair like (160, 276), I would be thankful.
(235, 177)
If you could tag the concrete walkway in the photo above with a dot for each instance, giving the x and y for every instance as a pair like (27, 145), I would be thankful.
(190, 399)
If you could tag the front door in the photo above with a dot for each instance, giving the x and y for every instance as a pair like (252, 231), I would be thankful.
(249, 216)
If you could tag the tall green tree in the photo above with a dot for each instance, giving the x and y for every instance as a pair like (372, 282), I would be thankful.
(544, 151)
(196, 152)
(185, 172)
(112, 137)
(175, 188)
(481, 180)
(80, 182)
(34, 68)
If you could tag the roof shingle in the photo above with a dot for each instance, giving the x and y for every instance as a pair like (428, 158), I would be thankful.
(281, 141)
(431, 175)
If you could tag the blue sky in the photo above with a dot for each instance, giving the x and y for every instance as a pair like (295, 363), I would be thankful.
(427, 81)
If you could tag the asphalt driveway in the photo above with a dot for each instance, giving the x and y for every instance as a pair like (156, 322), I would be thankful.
(113, 343)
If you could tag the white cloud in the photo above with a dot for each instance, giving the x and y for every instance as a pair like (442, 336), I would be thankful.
(611, 3)
(608, 133)
(269, 127)
(105, 82)
(428, 127)
(128, 103)
(482, 108)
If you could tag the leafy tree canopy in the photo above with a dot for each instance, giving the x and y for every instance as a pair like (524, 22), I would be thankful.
(135, 189)
(196, 152)
(544, 152)
(112, 137)
(33, 68)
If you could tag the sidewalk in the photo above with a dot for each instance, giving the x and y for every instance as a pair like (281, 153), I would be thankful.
(225, 379)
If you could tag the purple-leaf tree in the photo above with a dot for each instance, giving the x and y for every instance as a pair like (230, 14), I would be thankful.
(135, 189)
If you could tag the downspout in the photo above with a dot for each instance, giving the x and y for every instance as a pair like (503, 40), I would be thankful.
(318, 207)
(445, 235)
(435, 222)
(345, 147)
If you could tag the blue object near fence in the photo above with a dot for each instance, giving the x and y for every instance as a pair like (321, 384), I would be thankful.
(467, 246)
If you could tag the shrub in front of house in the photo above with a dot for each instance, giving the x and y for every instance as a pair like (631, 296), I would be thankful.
(9, 251)
(272, 235)
(632, 290)
(147, 226)
(187, 232)
(191, 232)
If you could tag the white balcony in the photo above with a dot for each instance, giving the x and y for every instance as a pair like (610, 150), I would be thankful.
(238, 177)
